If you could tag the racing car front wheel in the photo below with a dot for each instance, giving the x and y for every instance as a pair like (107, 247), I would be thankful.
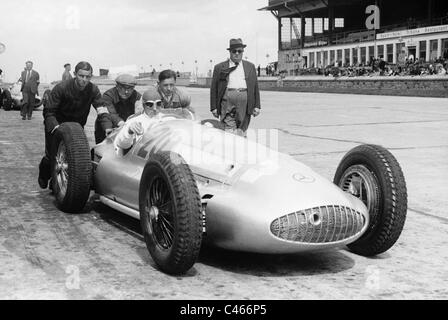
(170, 212)
(71, 167)
(372, 174)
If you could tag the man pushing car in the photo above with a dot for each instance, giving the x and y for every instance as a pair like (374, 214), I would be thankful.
(69, 101)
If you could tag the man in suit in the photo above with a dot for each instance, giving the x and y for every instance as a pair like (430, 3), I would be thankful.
(234, 93)
(30, 82)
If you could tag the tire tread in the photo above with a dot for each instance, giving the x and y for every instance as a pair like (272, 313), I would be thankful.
(394, 203)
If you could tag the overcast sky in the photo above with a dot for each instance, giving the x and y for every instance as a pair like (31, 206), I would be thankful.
(111, 33)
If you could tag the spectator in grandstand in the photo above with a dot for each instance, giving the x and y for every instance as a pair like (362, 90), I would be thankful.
(389, 71)
(431, 70)
(441, 70)
(382, 66)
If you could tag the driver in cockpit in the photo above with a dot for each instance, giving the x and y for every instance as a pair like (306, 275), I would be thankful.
(137, 125)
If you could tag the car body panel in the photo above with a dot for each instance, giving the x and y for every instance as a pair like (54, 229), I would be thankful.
(247, 198)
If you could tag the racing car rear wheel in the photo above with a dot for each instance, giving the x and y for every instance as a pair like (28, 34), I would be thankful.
(372, 174)
(71, 167)
(170, 212)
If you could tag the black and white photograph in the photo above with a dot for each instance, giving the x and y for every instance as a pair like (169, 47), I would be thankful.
(224, 154)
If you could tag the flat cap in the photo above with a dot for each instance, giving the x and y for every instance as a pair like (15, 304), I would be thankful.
(126, 79)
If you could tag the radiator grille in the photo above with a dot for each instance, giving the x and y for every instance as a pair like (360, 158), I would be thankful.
(319, 224)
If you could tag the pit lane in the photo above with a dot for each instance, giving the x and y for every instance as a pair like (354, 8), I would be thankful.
(100, 253)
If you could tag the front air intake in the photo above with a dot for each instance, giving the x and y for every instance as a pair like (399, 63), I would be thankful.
(319, 225)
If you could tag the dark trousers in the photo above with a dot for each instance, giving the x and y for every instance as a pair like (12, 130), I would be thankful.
(29, 99)
(45, 163)
(100, 134)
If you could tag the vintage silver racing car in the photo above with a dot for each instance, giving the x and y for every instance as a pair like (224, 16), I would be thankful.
(13, 99)
(190, 182)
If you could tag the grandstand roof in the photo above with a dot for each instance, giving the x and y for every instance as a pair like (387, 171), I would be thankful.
(302, 6)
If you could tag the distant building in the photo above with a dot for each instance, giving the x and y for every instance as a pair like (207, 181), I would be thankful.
(129, 69)
(317, 33)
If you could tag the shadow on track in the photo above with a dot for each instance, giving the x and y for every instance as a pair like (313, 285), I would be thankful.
(303, 264)
(322, 262)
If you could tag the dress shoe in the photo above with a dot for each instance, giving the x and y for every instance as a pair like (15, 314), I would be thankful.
(23, 118)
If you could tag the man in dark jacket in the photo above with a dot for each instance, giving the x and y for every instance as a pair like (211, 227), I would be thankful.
(172, 96)
(120, 102)
(69, 101)
(234, 93)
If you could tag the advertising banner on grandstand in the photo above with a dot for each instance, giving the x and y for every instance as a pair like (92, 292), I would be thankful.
(412, 32)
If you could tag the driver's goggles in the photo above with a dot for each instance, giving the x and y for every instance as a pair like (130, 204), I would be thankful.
(152, 103)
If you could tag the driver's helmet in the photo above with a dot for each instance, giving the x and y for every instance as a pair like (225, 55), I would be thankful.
(151, 98)
(151, 101)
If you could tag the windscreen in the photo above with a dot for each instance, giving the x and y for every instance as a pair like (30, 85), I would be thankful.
(176, 113)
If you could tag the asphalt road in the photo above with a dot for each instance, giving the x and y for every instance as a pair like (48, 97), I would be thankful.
(100, 253)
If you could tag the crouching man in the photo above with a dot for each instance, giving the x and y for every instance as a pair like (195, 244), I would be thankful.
(172, 97)
(69, 101)
(121, 102)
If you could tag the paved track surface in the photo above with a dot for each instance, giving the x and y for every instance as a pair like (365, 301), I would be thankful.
(100, 253)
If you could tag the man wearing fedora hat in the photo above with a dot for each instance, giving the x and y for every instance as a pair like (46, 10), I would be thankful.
(234, 93)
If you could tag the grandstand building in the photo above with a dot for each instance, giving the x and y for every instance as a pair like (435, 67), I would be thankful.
(321, 33)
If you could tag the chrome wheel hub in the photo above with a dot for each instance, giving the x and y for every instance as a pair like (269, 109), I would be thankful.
(160, 213)
(154, 213)
(363, 184)
(61, 168)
